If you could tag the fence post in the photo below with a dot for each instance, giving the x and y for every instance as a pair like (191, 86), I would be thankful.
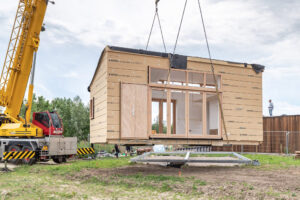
(287, 142)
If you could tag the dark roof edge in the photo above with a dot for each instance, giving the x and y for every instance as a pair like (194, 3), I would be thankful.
(256, 67)
(139, 51)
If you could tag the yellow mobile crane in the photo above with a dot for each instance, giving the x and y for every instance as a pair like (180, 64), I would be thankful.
(44, 134)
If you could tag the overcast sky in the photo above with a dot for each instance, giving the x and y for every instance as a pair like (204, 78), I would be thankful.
(253, 31)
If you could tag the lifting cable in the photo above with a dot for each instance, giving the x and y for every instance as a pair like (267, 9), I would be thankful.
(176, 41)
(213, 71)
(161, 32)
(179, 28)
(208, 49)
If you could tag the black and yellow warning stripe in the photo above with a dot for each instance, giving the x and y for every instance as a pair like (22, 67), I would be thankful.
(18, 155)
(85, 151)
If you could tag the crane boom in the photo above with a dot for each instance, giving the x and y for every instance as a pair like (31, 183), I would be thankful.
(23, 44)
(24, 41)
(18, 135)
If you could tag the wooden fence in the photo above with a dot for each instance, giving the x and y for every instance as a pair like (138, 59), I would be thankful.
(281, 135)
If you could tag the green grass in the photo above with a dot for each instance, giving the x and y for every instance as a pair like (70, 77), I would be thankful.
(73, 180)
(157, 183)
(274, 161)
(76, 166)
(98, 147)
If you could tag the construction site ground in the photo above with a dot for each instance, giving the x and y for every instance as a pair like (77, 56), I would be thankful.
(111, 178)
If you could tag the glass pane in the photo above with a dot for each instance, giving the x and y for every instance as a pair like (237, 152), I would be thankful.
(195, 113)
(155, 117)
(178, 111)
(159, 111)
(55, 120)
(159, 76)
(196, 79)
(177, 77)
(164, 121)
(210, 82)
(172, 118)
(212, 110)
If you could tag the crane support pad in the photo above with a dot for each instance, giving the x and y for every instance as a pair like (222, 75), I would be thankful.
(85, 151)
(18, 155)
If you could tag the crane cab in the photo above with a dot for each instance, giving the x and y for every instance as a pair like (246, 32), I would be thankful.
(50, 122)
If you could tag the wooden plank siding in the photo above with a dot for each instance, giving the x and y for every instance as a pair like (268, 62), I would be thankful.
(98, 92)
(241, 96)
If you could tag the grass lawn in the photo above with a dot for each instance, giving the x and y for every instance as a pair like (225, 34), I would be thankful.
(111, 178)
(274, 161)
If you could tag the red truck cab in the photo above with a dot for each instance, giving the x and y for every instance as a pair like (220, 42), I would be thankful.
(50, 122)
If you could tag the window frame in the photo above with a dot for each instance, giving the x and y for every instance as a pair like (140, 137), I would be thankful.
(186, 86)
(160, 115)
(92, 108)
(169, 87)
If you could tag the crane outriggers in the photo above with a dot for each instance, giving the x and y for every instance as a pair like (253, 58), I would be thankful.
(44, 135)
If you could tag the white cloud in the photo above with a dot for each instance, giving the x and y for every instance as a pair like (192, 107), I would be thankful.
(253, 31)
(70, 75)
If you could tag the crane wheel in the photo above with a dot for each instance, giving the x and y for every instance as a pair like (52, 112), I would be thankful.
(28, 161)
(14, 148)
(59, 159)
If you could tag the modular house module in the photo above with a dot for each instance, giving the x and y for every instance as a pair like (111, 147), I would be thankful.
(140, 97)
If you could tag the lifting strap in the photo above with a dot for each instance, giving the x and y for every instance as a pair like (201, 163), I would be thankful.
(161, 32)
(213, 72)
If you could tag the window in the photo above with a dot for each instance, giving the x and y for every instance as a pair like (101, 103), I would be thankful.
(159, 76)
(210, 82)
(42, 118)
(155, 117)
(184, 103)
(55, 120)
(159, 111)
(196, 79)
(178, 112)
(212, 114)
(177, 77)
(195, 113)
(92, 108)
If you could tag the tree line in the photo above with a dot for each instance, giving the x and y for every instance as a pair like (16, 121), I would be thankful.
(73, 112)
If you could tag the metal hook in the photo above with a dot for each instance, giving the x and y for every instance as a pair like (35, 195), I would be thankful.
(156, 4)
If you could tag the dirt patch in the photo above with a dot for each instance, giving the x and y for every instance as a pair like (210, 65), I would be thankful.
(230, 182)
(9, 166)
